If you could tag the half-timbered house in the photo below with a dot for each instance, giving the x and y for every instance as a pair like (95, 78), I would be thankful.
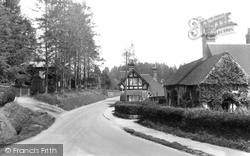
(140, 86)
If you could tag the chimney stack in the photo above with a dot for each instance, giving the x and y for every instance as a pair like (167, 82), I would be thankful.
(248, 36)
(205, 50)
(131, 64)
(154, 69)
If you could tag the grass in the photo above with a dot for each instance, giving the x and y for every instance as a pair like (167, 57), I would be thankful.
(226, 129)
(70, 103)
(201, 136)
(174, 145)
(70, 100)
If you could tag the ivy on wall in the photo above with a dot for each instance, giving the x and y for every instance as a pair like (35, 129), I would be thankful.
(221, 79)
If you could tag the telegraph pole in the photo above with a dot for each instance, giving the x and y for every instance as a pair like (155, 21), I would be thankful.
(126, 76)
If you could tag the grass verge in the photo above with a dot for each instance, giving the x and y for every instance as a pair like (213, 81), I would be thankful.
(201, 136)
(71, 100)
(27, 123)
(174, 145)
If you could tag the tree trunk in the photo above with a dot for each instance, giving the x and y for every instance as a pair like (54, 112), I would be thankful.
(84, 72)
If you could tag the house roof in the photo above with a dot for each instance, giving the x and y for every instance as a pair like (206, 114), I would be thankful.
(123, 76)
(193, 73)
(154, 87)
(181, 73)
(240, 53)
(201, 70)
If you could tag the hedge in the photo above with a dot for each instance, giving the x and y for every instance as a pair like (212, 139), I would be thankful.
(230, 125)
(125, 108)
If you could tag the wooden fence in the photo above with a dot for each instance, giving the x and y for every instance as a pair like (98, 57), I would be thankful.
(22, 92)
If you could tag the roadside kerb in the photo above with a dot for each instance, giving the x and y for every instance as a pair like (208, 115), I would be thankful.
(195, 145)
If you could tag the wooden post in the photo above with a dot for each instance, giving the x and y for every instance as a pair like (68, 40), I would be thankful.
(20, 94)
(28, 92)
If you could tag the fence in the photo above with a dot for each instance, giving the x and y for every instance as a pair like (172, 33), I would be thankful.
(22, 92)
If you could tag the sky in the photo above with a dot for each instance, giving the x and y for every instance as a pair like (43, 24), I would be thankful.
(158, 28)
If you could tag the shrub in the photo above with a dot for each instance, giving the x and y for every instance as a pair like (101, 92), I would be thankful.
(7, 94)
(70, 103)
(127, 108)
(16, 114)
(228, 125)
(122, 97)
(36, 85)
(47, 98)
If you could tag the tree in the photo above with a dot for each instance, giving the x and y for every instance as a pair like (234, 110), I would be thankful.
(69, 38)
(17, 40)
(105, 80)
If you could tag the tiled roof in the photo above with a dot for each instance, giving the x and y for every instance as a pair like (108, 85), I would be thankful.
(182, 72)
(193, 73)
(201, 70)
(240, 53)
(154, 87)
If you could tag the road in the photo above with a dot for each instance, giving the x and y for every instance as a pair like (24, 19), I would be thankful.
(85, 131)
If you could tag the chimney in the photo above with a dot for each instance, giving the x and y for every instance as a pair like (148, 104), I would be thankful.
(154, 69)
(205, 50)
(131, 64)
(248, 36)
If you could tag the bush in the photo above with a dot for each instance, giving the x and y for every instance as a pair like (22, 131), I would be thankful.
(73, 102)
(26, 122)
(122, 97)
(47, 98)
(228, 125)
(127, 108)
(7, 94)
(36, 85)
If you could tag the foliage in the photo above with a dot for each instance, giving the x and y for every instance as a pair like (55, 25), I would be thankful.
(68, 40)
(174, 145)
(48, 98)
(26, 122)
(7, 94)
(17, 41)
(223, 124)
(82, 99)
(164, 72)
(105, 80)
(225, 74)
(200, 136)
(36, 85)
(127, 108)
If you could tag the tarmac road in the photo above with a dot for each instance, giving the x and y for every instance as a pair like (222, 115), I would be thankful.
(85, 131)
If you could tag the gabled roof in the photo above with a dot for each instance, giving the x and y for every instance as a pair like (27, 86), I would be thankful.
(181, 73)
(193, 73)
(154, 87)
(125, 77)
(200, 72)
(240, 53)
